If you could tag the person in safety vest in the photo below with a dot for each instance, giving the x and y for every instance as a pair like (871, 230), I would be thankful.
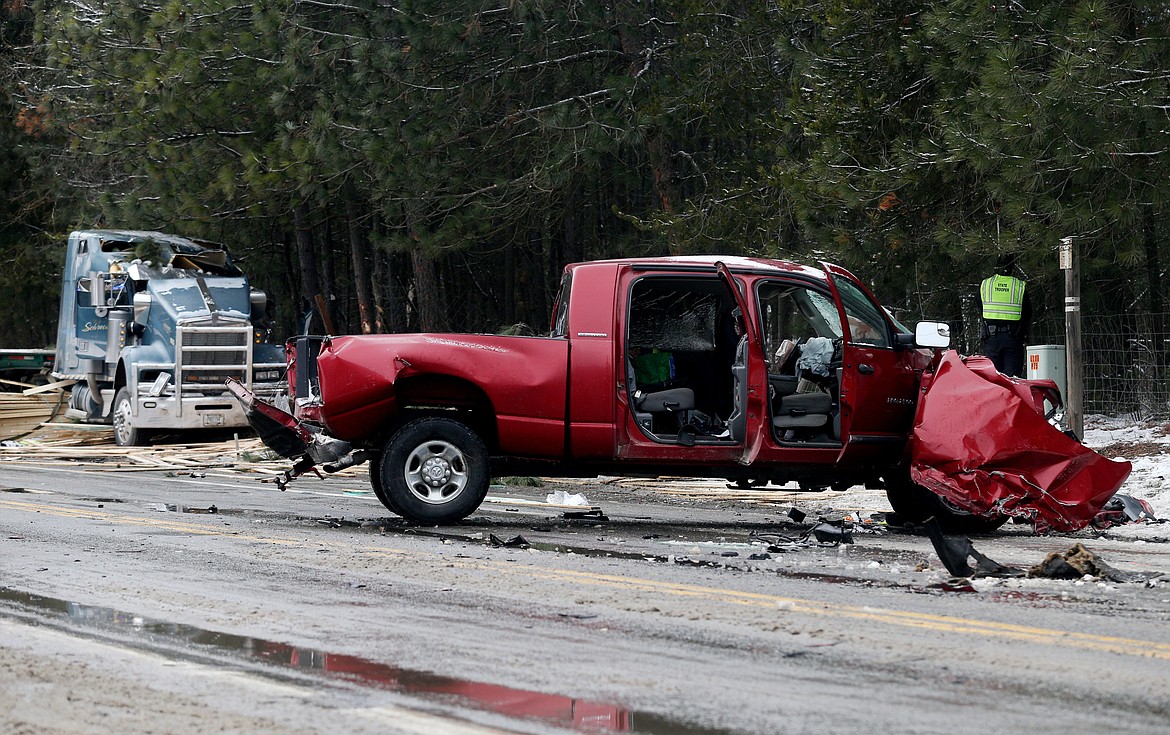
(1006, 314)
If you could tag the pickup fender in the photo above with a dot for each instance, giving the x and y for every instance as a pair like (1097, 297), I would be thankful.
(514, 386)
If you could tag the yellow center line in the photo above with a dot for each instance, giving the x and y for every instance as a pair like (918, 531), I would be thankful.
(900, 618)
(903, 618)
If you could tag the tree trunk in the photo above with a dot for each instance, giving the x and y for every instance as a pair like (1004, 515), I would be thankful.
(1154, 286)
(426, 291)
(310, 281)
(359, 253)
(572, 247)
(631, 31)
(291, 311)
(329, 296)
(510, 282)
(396, 298)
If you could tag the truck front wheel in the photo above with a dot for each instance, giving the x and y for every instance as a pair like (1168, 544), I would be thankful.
(914, 504)
(125, 433)
(376, 484)
(434, 470)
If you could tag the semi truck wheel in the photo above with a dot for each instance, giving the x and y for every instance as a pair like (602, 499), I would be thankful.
(125, 433)
(434, 470)
(914, 504)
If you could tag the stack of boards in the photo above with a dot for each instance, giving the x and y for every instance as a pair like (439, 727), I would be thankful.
(24, 407)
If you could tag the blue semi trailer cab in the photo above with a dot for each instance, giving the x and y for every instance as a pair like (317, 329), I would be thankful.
(151, 325)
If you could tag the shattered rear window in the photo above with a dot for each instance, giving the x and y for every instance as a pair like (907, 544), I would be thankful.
(674, 317)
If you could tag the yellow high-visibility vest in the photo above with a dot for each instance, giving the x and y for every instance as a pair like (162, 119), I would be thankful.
(1003, 298)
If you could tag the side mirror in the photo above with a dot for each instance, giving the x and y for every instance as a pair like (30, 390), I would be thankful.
(142, 303)
(259, 302)
(932, 334)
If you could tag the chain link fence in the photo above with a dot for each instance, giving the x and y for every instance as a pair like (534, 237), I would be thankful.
(1126, 360)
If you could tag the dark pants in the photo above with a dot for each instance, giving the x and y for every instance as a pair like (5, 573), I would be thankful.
(1006, 352)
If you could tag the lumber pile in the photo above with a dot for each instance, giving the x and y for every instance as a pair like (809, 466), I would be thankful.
(93, 448)
(22, 412)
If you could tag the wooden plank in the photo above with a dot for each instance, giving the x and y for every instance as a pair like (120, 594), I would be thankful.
(49, 387)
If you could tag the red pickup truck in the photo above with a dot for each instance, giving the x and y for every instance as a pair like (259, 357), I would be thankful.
(748, 369)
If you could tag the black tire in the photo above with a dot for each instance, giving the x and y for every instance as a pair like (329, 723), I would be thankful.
(122, 417)
(744, 483)
(376, 484)
(434, 471)
(914, 504)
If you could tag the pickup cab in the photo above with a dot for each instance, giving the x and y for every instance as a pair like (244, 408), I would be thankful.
(748, 369)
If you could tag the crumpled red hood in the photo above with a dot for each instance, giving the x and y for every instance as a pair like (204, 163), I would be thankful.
(980, 442)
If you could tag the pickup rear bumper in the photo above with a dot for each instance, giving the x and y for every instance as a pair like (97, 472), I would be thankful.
(284, 434)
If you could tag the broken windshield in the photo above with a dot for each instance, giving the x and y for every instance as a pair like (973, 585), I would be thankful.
(185, 265)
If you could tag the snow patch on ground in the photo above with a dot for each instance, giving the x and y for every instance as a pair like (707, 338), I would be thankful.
(1146, 444)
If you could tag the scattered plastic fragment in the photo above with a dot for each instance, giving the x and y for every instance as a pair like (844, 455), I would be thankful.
(211, 509)
(1122, 509)
(337, 522)
(560, 497)
(797, 515)
(594, 514)
(955, 551)
(516, 542)
(827, 532)
(956, 585)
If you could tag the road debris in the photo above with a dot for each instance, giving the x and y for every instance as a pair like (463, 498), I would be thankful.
(839, 532)
(560, 497)
(824, 532)
(513, 542)
(92, 448)
(22, 413)
(1122, 509)
(955, 552)
(1078, 562)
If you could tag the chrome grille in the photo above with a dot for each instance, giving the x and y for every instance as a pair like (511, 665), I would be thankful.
(215, 339)
(211, 354)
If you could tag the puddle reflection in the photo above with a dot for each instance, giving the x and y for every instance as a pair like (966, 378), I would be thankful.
(578, 714)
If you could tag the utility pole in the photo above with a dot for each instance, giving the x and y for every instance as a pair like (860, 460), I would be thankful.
(1074, 401)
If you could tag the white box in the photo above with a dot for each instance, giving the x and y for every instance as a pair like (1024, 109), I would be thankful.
(1046, 362)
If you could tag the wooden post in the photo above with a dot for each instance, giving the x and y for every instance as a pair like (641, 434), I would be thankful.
(1074, 401)
(326, 317)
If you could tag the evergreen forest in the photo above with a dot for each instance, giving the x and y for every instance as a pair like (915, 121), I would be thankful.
(433, 164)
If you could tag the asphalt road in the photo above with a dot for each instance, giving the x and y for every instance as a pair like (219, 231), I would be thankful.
(126, 606)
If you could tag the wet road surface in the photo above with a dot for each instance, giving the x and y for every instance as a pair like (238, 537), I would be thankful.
(155, 595)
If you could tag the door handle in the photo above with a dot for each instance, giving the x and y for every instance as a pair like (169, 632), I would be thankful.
(865, 369)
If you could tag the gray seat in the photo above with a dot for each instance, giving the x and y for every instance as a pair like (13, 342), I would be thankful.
(646, 404)
(803, 411)
(671, 399)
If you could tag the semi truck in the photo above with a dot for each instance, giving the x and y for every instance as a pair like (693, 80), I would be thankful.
(151, 326)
